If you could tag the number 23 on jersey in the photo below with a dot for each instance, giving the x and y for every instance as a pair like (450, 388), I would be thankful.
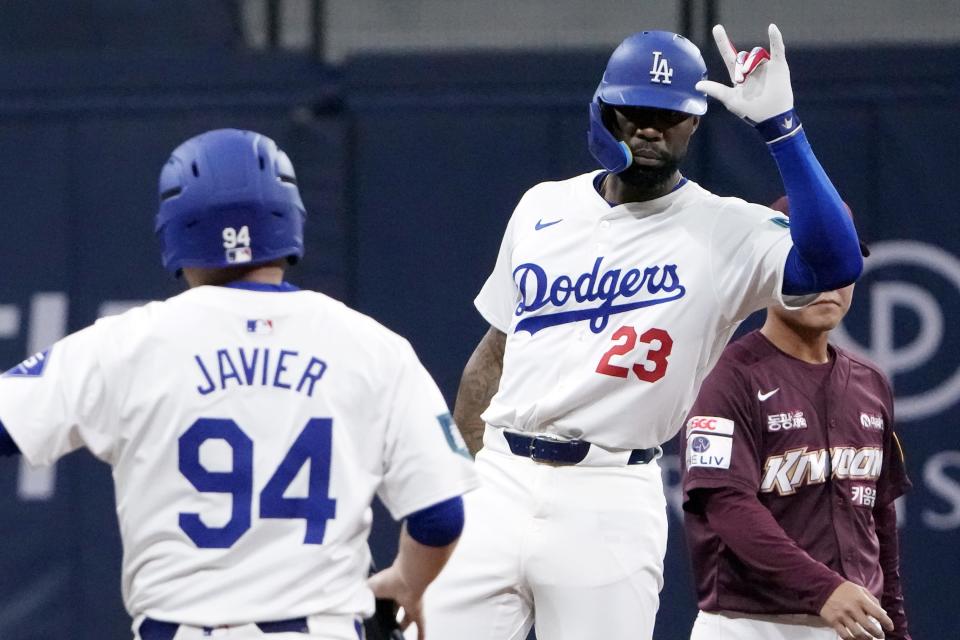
(625, 340)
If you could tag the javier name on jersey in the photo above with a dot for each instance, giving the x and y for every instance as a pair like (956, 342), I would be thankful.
(238, 366)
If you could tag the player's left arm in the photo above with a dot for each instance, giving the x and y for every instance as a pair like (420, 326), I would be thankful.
(826, 252)
(891, 484)
(891, 600)
(426, 543)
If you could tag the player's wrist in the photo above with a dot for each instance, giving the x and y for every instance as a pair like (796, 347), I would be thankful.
(780, 127)
(830, 585)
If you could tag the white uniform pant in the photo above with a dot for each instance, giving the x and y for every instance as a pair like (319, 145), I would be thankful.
(327, 627)
(579, 549)
(743, 626)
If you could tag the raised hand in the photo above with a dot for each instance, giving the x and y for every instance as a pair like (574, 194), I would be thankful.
(761, 81)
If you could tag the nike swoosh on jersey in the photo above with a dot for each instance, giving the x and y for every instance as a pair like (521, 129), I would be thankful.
(761, 396)
(543, 225)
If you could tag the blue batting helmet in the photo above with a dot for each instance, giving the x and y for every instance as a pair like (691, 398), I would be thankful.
(228, 197)
(657, 69)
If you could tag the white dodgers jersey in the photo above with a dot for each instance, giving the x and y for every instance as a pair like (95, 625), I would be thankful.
(248, 432)
(615, 314)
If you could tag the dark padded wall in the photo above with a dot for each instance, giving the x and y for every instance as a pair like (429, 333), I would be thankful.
(410, 167)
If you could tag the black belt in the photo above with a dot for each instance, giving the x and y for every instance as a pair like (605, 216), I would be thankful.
(155, 630)
(541, 449)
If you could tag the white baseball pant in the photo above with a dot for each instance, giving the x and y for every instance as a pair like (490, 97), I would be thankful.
(577, 549)
(728, 625)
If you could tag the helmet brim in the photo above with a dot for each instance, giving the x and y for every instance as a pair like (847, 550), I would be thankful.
(656, 98)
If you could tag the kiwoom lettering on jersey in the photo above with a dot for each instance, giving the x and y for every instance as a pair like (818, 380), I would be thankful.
(636, 287)
(798, 467)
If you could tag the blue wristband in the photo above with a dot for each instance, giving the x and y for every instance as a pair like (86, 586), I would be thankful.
(780, 126)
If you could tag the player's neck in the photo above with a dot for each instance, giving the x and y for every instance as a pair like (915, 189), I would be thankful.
(615, 190)
(271, 273)
(808, 345)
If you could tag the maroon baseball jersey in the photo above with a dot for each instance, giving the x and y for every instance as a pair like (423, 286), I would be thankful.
(815, 445)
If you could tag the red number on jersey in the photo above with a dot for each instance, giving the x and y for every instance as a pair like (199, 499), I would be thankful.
(607, 369)
(661, 344)
(657, 354)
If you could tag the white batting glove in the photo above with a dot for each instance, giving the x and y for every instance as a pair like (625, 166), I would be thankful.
(761, 82)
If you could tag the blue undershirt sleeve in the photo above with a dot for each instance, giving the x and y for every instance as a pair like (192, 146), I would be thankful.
(826, 250)
(439, 525)
(7, 446)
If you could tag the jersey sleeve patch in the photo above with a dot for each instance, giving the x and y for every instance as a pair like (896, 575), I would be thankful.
(32, 367)
(710, 425)
(452, 434)
(711, 451)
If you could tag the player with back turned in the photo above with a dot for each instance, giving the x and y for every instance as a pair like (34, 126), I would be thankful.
(790, 474)
(248, 423)
(612, 296)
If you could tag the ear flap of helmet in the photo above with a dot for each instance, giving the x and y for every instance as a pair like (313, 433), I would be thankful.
(614, 155)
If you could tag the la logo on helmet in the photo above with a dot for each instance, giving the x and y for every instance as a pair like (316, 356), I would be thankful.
(660, 72)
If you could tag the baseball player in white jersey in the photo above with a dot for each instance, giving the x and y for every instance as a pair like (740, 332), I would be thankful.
(248, 423)
(613, 295)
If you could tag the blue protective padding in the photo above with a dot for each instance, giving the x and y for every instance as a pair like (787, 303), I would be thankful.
(7, 446)
(439, 525)
(612, 154)
(826, 250)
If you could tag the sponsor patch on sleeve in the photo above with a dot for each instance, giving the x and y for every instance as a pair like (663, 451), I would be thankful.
(452, 434)
(711, 451)
(710, 424)
(32, 367)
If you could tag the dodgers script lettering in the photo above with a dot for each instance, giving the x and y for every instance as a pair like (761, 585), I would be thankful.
(538, 292)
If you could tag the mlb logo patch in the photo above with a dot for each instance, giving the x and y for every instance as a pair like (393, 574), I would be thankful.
(239, 255)
(260, 327)
(32, 367)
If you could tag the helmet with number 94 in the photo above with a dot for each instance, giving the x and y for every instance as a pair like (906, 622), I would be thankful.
(656, 69)
(228, 197)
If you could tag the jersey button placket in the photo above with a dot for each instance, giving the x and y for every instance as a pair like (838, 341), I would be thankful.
(603, 227)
